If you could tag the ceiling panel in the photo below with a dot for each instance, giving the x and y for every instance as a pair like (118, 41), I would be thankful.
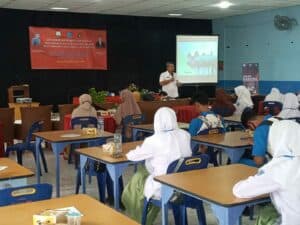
(198, 9)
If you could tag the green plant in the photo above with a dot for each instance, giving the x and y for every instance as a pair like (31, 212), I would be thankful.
(98, 96)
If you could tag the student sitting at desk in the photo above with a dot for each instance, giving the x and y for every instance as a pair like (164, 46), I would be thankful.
(223, 105)
(290, 107)
(273, 103)
(280, 177)
(243, 99)
(167, 144)
(261, 128)
(85, 108)
(206, 123)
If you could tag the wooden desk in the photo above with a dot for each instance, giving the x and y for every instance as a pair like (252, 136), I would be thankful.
(149, 108)
(59, 140)
(14, 175)
(115, 166)
(94, 213)
(148, 128)
(17, 107)
(236, 118)
(233, 143)
(213, 185)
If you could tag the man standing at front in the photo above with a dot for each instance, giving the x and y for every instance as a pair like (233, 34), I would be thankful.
(168, 81)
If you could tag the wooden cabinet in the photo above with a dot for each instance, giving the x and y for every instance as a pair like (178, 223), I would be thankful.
(19, 91)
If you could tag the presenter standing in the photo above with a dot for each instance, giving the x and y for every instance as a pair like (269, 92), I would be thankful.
(168, 81)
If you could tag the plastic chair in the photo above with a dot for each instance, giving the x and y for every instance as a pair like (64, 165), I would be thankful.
(29, 145)
(187, 164)
(131, 120)
(78, 123)
(103, 178)
(30, 193)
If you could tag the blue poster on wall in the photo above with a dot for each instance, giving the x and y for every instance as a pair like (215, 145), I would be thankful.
(250, 72)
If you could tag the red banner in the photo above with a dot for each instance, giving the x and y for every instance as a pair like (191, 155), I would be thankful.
(61, 48)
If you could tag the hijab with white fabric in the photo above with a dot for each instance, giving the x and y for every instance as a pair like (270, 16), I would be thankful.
(243, 99)
(274, 96)
(281, 176)
(290, 107)
(167, 144)
(85, 107)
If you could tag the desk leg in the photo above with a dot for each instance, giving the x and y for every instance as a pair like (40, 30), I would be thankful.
(83, 160)
(234, 154)
(57, 148)
(38, 141)
(166, 193)
(115, 171)
(228, 215)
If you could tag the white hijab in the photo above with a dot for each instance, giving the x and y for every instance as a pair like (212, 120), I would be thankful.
(290, 107)
(274, 96)
(243, 99)
(284, 168)
(298, 96)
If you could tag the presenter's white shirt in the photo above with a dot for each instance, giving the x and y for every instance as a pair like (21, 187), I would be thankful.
(171, 88)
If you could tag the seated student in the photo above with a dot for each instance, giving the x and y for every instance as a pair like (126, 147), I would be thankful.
(128, 107)
(280, 177)
(273, 103)
(243, 99)
(207, 122)
(167, 144)
(85, 107)
(261, 128)
(223, 105)
(290, 108)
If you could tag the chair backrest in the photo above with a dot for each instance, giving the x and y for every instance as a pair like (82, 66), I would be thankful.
(7, 119)
(133, 119)
(30, 193)
(188, 164)
(35, 127)
(63, 110)
(83, 122)
(31, 115)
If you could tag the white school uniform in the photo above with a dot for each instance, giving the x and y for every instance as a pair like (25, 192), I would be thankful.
(171, 88)
(281, 176)
(167, 144)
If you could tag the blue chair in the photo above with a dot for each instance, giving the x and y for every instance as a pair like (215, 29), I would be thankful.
(30, 193)
(81, 122)
(187, 164)
(29, 145)
(131, 120)
(103, 179)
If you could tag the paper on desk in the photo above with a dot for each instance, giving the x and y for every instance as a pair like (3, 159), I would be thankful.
(3, 168)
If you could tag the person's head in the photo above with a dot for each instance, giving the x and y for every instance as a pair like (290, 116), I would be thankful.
(85, 98)
(290, 101)
(126, 95)
(200, 101)
(222, 96)
(170, 67)
(163, 94)
(249, 119)
(273, 108)
(284, 139)
(165, 120)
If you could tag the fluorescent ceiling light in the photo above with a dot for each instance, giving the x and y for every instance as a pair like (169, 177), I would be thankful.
(174, 14)
(224, 4)
(59, 8)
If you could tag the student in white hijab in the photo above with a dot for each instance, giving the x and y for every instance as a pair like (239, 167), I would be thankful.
(273, 102)
(85, 107)
(167, 144)
(290, 107)
(243, 99)
(280, 177)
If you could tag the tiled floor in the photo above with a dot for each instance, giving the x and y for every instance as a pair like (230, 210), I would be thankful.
(68, 175)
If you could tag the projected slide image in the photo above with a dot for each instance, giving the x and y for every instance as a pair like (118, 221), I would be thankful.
(197, 58)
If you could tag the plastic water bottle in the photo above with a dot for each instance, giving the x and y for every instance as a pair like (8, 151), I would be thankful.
(100, 125)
